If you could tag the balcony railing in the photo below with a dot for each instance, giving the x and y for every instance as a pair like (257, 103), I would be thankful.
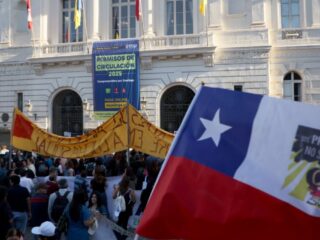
(62, 49)
(154, 43)
(293, 37)
(176, 41)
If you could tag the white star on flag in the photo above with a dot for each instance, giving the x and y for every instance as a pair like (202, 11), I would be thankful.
(214, 128)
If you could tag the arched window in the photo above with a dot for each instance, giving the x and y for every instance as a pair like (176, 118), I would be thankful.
(292, 86)
(174, 104)
(67, 114)
(290, 13)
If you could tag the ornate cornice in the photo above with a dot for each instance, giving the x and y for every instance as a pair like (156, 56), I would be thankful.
(15, 68)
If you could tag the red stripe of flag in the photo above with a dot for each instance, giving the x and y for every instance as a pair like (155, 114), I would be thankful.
(29, 14)
(22, 128)
(138, 10)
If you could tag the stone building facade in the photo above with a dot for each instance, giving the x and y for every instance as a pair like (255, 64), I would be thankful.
(269, 47)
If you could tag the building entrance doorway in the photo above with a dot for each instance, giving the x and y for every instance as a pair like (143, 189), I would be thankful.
(67, 114)
(174, 104)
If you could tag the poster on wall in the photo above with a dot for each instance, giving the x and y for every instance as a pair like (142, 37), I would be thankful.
(115, 76)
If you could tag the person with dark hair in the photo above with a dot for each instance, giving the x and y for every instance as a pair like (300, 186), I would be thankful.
(6, 181)
(25, 181)
(52, 181)
(58, 165)
(3, 170)
(6, 217)
(95, 203)
(97, 209)
(153, 168)
(14, 234)
(132, 177)
(98, 185)
(19, 201)
(58, 200)
(79, 217)
(117, 164)
(80, 181)
(39, 205)
(130, 199)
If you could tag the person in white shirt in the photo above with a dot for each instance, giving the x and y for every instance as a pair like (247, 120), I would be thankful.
(30, 165)
(4, 150)
(26, 182)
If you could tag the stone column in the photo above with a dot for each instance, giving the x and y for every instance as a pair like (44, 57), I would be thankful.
(5, 10)
(91, 21)
(147, 18)
(315, 13)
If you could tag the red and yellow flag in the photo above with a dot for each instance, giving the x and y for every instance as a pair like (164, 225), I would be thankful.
(111, 136)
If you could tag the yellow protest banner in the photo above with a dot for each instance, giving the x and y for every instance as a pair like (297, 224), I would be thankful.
(111, 136)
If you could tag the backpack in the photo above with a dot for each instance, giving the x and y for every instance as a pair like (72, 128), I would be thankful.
(59, 205)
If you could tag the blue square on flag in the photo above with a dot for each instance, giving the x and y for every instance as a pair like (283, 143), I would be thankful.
(231, 115)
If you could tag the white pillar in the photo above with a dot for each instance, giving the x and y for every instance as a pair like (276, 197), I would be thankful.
(5, 10)
(91, 21)
(315, 13)
(147, 12)
(303, 11)
(45, 9)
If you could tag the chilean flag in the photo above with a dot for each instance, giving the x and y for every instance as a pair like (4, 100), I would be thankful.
(29, 18)
(242, 166)
(138, 10)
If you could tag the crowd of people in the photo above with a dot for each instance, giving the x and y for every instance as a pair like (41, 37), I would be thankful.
(53, 210)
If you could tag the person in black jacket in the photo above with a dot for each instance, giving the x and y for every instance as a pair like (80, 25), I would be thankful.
(6, 217)
(19, 200)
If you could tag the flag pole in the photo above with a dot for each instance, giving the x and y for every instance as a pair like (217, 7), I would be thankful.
(141, 27)
(128, 133)
(30, 25)
(84, 2)
(206, 19)
(144, 40)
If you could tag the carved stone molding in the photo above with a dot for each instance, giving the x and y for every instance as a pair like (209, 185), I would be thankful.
(15, 69)
(242, 54)
(146, 62)
(38, 68)
(208, 59)
(4, 36)
(88, 65)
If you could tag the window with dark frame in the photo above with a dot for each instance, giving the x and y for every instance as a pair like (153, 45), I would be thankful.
(237, 88)
(123, 19)
(179, 17)
(69, 33)
(292, 86)
(20, 101)
(290, 13)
